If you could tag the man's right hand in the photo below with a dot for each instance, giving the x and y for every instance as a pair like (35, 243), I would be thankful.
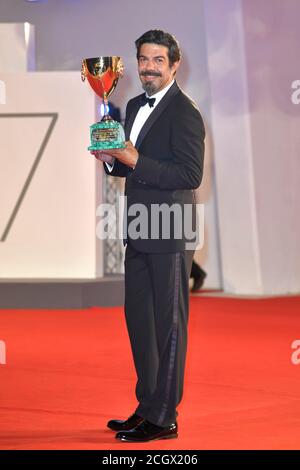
(103, 157)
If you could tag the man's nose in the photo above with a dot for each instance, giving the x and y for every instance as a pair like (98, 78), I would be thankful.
(150, 65)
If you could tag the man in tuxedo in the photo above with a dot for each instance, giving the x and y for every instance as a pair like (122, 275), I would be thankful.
(163, 164)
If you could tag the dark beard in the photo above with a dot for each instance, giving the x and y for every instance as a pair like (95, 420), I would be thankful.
(149, 88)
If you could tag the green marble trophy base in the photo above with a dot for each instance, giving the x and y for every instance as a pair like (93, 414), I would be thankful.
(107, 134)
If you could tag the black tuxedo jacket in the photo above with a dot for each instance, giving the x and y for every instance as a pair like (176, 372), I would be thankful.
(169, 168)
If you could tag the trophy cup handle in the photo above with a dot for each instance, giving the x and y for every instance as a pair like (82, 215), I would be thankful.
(83, 71)
(120, 69)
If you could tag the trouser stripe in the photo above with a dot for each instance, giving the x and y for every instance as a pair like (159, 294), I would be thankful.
(173, 339)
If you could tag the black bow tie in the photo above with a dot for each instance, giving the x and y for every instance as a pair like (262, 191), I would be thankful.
(144, 100)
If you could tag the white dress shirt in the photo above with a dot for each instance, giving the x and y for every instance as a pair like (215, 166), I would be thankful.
(142, 116)
(145, 111)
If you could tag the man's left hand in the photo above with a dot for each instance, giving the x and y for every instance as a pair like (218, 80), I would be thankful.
(129, 155)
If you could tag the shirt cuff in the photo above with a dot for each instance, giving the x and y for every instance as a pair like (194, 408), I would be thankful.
(136, 162)
(110, 167)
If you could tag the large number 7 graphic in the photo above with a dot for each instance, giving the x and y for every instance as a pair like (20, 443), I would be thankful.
(54, 117)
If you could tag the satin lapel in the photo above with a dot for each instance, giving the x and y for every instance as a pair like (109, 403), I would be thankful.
(130, 121)
(156, 113)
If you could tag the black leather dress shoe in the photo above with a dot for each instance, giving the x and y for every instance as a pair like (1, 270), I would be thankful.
(198, 282)
(198, 274)
(146, 431)
(130, 423)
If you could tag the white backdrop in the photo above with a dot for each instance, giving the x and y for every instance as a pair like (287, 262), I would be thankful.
(240, 59)
(17, 46)
(53, 232)
(96, 27)
(251, 61)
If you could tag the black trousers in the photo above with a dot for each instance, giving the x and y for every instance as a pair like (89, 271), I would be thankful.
(156, 310)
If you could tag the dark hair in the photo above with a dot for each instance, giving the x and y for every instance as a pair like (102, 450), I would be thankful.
(157, 36)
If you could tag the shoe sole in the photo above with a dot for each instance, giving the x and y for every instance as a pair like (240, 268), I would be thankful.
(120, 430)
(171, 436)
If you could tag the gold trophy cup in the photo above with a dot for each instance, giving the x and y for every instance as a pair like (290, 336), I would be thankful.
(103, 74)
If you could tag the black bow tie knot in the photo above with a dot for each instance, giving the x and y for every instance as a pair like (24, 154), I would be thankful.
(144, 100)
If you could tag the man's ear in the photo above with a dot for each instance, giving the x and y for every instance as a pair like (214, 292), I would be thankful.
(175, 67)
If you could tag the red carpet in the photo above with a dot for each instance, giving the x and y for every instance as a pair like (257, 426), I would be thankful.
(68, 372)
